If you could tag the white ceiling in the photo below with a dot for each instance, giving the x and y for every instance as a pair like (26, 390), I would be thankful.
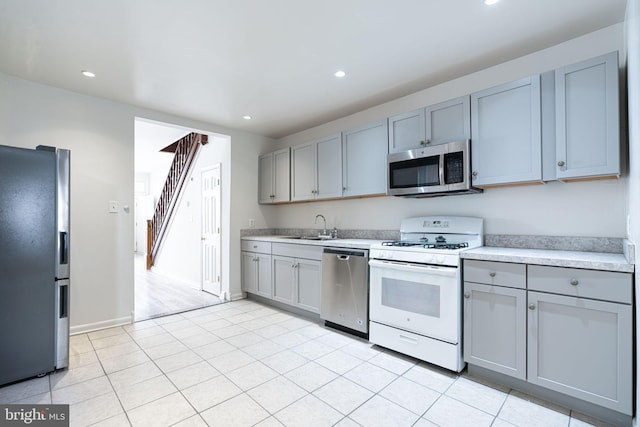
(217, 60)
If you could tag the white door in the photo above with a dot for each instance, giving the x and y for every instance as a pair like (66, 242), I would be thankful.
(144, 211)
(211, 244)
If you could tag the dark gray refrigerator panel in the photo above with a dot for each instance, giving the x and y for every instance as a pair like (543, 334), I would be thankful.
(27, 263)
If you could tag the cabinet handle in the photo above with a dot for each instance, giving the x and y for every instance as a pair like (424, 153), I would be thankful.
(574, 282)
(474, 173)
(427, 142)
(492, 274)
(532, 306)
(422, 142)
(561, 163)
(467, 295)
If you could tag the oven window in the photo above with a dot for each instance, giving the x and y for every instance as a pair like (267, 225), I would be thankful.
(420, 172)
(420, 298)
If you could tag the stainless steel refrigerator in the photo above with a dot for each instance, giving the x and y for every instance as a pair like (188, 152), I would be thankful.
(34, 261)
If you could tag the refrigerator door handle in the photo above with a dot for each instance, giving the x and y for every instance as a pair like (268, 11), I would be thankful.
(64, 248)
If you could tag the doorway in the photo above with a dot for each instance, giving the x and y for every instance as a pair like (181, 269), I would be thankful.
(176, 281)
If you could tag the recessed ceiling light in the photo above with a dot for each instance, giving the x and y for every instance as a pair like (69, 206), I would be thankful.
(490, 2)
(88, 74)
(339, 74)
(246, 117)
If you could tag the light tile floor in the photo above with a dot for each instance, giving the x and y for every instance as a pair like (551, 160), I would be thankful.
(247, 364)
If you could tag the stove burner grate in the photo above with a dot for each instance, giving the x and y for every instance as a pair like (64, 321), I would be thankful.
(426, 245)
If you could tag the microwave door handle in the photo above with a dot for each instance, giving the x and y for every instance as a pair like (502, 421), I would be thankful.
(441, 171)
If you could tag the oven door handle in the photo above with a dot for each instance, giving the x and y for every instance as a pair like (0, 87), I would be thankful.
(418, 268)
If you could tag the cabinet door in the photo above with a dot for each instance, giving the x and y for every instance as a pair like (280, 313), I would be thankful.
(495, 328)
(249, 272)
(329, 167)
(263, 275)
(587, 118)
(308, 280)
(582, 348)
(448, 121)
(505, 124)
(303, 172)
(265, 176)
(283, 278)
(281, 175)
(364, 160)
(406, 131)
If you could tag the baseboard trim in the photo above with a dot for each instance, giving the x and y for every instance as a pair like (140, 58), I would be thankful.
(90, 327)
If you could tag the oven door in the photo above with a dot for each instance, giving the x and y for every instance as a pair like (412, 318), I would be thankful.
(423, 299)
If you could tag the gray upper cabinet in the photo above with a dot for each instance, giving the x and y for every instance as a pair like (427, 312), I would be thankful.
(316, 169)
(436, 124)
(364, 160)
(587, 118)
(448, 121)
(274, 175)
(406, 131)
(505, 124)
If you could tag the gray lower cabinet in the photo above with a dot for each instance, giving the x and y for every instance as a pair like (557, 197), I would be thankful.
(580, 334)
(495, 328)
(283, 278)
(297, 275)
(256, 268)
(495, 316)
(297, 282)
(565, 329)
(582, 348)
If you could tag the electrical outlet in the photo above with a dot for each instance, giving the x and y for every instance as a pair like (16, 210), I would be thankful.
(113, 206)
(252, 223)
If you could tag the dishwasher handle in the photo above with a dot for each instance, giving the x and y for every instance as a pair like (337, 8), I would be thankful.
(341, 252)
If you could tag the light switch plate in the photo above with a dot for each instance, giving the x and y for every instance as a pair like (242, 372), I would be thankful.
(113, 206)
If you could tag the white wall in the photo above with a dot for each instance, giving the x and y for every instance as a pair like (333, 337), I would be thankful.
(632, 39)
(578, 209)
(100, 134)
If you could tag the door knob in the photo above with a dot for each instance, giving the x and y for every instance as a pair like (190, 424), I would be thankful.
(532, 306)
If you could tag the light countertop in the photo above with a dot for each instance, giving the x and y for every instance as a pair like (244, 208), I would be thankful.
(573, 259)
(334, 243)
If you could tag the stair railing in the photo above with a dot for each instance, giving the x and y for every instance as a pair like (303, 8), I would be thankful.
(185, 154)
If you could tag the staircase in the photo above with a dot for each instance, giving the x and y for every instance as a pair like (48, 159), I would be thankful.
(185, 154)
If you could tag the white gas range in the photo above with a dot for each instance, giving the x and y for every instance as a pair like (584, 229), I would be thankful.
(415, 288)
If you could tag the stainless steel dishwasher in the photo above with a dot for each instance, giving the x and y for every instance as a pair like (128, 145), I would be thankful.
(345, 290)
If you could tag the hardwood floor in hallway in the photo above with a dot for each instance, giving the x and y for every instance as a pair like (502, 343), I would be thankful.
(157, 295)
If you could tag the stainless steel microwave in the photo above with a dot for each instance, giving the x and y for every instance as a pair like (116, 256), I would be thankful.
(431, 171)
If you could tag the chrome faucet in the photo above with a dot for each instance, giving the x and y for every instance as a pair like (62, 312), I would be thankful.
(324, 230)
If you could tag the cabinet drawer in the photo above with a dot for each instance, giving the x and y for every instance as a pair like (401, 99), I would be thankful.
(496, 273)
(256, 246)
(298, 251)
(601, 285)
